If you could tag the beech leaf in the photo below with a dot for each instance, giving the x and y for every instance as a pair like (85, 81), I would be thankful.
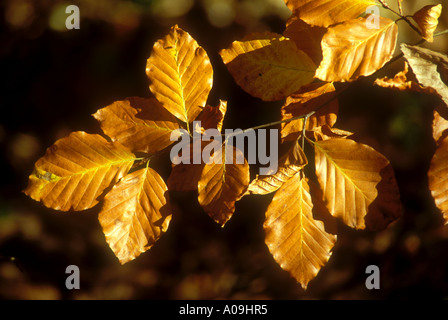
(348, 173)
(180, 73)
(270, 67)
(324, 13)
(427, 19)
(76, 170)
(437, 177)
(135, 214)
(297, 241)
(400, 82)
(222, 184)
(430, 68)
(140, 124)
(351, 49)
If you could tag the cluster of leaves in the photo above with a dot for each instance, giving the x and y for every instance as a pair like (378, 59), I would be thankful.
(325, 41)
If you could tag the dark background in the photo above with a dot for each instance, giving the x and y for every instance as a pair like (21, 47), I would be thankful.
(54, 79)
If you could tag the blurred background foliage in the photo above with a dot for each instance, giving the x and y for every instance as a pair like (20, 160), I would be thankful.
(54, 79)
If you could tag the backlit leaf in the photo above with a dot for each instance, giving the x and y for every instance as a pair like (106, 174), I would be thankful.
(317, 97)
(440, 123)
(135, 214)
(427, 19)
(222, 184)
(76, 170)
(438, 177)
(400, 82)
(142, 125)
(351, 49)
(180, 73)
(270, 67)
(297, 241)
(324, 13)
(213, 117)
(291, 163)
(430, 68)
(348, 173)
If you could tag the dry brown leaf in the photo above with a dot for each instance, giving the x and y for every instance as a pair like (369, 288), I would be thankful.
(135, 214)
(430, 68)
(306, 37)
(437, 177)
(140, 124)
(351, 49)
(440, 123)
(348, 173)
(213, 117)
(400, 82)
(76, 170)
(269, 68)
(427, 19)
(297, 241)
(291, 163)
(324, 13)
(180, 73)
(309, 98)
(222, 184)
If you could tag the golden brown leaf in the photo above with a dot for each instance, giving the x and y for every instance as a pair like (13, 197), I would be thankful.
(135, 214)
(76, 170)
(306, 37)
(297, 241)
(324, 13)
(440, 123)
(222, 184)
(400, 82)
(313, 97)
(348, 173)
(291, 163)
(180, 73)
(140, 124)
(437, 177)
(427, 19)
(213, 117)
(351, 49)
(430, 68)
(270, 67)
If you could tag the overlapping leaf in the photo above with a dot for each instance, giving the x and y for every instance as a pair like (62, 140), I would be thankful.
(401, 82)
(222, 183)
(427, 19)
(140, 124)
(315, 97)
(297, 241)
(430, 68)
(351, 49)
(135, 214)
(348, 173)
(324, 13)
(76, 170)
(180, 73)
(437, 177)
(269, 67)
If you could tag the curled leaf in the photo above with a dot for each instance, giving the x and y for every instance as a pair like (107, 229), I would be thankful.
(437, 177)
(427, 19)
(400, 82)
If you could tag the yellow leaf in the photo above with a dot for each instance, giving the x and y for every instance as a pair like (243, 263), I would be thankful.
(140, 124)
(348, 173)
(76, 170)
(324, 13)
(180, 73)
(270, 67)
(437, 177)
(313, 97)
(351, 49)
(427, 19)
(297, 241)
(222, 184)
(135, 214)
